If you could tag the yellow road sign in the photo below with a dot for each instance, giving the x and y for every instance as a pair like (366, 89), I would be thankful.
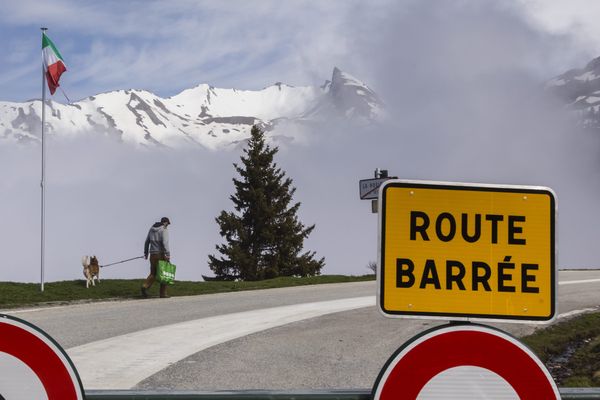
(462, 251)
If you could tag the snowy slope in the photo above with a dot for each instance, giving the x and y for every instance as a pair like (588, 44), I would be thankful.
(580, 90)
(204, 116)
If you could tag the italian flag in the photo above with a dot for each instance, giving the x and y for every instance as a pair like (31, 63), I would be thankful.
(53, 63)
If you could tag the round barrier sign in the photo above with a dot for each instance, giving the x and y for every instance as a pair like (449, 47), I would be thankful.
(33, 366)
(465, 361)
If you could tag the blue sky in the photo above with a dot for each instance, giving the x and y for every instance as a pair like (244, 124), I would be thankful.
(167, 46)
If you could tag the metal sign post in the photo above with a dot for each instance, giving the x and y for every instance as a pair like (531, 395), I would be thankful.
(369, 188)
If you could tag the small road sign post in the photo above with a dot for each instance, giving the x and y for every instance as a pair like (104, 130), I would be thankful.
(465, 251)
(33, 365)
(369, 188)
(467, 362)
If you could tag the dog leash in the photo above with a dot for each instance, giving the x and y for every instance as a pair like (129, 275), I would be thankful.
(119, 262)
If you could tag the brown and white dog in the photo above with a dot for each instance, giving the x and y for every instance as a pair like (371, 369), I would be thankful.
(91, 270)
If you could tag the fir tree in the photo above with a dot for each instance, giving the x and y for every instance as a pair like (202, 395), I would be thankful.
(264, 237)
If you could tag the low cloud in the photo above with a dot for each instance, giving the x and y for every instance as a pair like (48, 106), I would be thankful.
(102, 198)
(463, 84)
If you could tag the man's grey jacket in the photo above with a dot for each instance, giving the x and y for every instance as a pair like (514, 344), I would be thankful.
(157, 240)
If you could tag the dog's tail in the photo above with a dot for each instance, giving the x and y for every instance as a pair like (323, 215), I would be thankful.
(85, 261)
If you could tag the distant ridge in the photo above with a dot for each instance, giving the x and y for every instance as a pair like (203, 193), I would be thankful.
(200, 116)
(580, 90)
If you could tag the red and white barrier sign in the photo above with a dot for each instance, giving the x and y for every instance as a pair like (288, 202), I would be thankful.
(33, 365)
(464, 362)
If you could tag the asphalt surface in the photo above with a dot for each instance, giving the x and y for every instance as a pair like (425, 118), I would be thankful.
(84, 323)
(341, 350)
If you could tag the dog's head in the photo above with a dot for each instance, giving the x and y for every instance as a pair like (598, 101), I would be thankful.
(93, 260)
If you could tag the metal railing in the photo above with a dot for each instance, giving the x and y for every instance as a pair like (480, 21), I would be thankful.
(341, 394)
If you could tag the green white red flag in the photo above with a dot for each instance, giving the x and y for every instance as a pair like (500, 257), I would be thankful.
(54, 65)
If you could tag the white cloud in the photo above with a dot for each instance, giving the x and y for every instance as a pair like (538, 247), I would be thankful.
(577, 18)
(101, 199)
(168, 46)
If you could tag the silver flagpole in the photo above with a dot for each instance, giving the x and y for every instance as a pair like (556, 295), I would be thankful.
(43, 182)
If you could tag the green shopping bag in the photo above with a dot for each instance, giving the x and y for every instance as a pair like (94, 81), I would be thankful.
(165, 273)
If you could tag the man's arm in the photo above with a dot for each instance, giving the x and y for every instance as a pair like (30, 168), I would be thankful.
(165, 240)
(146, 245)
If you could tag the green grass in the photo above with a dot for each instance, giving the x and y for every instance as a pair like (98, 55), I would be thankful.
(570, 350)
(14, 294)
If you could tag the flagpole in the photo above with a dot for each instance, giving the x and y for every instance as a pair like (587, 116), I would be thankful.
(43, 182)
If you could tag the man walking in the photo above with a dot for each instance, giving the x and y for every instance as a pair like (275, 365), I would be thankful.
(157, 245)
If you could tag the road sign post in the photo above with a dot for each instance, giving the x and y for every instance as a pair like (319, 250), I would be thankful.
(464, 251)
(33, 365)
(369, 188)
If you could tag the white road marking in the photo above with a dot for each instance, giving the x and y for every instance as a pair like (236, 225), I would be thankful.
(122, 361)
(28, 310)
(577, 282)
(576, 312)
(96, 303)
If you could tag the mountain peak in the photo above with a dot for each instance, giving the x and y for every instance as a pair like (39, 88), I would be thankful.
(593, 65)
(340, 77)
(352, 97)
(580, 90)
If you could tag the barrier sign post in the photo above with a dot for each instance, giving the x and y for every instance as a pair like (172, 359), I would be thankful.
(33, 365)
(464, 251)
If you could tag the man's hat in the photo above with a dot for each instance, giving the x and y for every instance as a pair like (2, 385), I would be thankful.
(165, 220)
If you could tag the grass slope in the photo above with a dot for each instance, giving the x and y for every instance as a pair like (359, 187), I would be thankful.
(570, 350)
(14, 294)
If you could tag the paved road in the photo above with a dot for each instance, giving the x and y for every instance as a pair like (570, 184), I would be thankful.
(343, 350)
(84, 323)
(338, 350)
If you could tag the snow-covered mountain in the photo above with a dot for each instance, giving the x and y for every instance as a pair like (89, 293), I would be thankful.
(580, 90)
(203, 115)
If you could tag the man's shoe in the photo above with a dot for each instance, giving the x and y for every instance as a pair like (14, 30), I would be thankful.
(163, 291)
(144, 292)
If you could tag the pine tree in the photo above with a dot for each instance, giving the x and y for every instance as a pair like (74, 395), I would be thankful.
(264, 237)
